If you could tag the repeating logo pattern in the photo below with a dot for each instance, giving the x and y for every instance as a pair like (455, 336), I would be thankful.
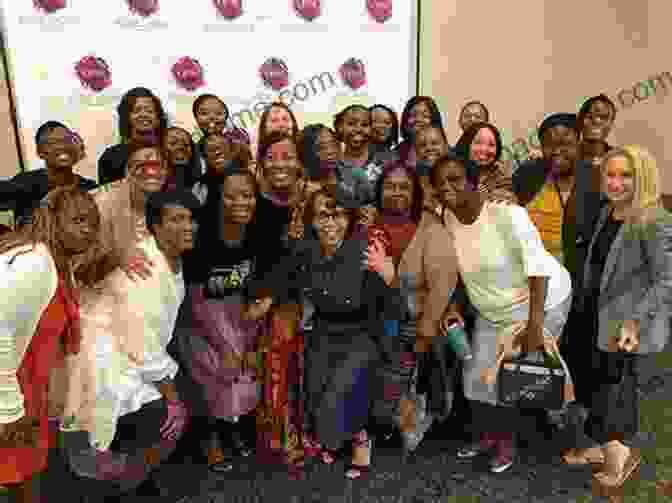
(274, 73)
(188, 73)
(230, 9)
(49, 6)
(308, 9)
(94, 73)
(353, 73)
(143, 8)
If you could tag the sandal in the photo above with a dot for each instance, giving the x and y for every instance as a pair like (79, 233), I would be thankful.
(218, 462)
(605, 484)
(583, 457)
(311, 448)
(328, 456)
(356, 471)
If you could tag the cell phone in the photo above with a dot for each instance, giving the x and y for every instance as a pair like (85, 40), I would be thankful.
(224, 282)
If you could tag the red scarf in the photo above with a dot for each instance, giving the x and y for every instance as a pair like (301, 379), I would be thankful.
(395, 237)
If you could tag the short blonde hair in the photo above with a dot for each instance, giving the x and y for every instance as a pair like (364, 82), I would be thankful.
(647, 197)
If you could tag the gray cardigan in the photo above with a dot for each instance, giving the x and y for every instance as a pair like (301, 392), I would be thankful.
(636, 282)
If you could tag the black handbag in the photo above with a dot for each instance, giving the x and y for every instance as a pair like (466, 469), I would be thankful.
(532, 381)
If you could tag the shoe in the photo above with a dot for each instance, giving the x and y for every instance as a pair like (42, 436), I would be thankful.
(356, 471)
(506, 454)
(412, 439)
(241, 446)
(485, 444)
(218, 462)
(328, 456)
(501, 463)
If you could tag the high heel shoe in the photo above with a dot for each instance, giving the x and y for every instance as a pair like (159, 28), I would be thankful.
(356, 471)
(412, 439)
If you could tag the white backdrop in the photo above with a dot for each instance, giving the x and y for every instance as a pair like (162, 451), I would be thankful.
(43, 48)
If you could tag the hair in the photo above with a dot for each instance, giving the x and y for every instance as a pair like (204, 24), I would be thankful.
(471, 169)
(204, 97)
(333, 202)
(262, 137)
(480, 104)
(186, 177)
(585, 108)
(647, 195)
(45, 228)
(394, 132)
(463, 145)
(45, 129)
(308, 142)
(126, 105)
(340, 117)
(157, 201)
(416, 204)
(239, 152)
(436, 120)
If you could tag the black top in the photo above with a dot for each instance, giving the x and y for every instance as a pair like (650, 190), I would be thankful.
(112, 164)
(28, 189)
(600, 253)
(271, 222)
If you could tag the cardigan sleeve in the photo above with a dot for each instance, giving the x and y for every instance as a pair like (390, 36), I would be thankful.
(18, 300)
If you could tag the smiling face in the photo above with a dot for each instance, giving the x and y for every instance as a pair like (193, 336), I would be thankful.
(451, 185)
(431, 145)
(619, 181)
(147, 170)
(560, 147)
(397, 192)
(598, 121)
(484, 147)
(238, 199)
(472, 114)
(211, 116)
(79, 226)
(330, 221)
(279, 120)
(420, 117)
(59, 149)
(175, 232)
(329, 146)
(143, 117)
(177, 145)
(381, 125)
(281, 166)
(356, 128)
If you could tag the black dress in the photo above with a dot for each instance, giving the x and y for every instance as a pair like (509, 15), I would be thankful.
(614, 412)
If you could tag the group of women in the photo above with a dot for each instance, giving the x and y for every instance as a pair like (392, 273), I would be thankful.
(327, 263)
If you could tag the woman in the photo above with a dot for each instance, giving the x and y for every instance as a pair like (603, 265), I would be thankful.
(384, 127)
(626, 294)
(431, 145)
(212, 115)
(415, 260)
(220, 349)
(37, 266)
(482, 144)
(183, 165)
(521, 294)
(280, 206)
(345, 342)
(595, 120)
(276, 117)
(419, 113)
(141, 120)
(473, 112)
(321, 148)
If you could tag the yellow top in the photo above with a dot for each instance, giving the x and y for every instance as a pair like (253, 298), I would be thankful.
(546, 212)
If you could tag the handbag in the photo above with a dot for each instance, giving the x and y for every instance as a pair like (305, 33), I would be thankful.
(532, 381)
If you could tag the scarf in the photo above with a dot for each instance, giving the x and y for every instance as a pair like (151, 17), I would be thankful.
(395, 230)
(72, 335)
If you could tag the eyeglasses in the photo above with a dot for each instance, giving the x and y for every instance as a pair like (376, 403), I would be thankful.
(324, 218)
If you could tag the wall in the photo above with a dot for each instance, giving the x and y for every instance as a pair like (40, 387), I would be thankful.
(530, 61)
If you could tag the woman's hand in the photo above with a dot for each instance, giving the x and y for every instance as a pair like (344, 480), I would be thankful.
(450, 317)
(628, 340)
(256, 311)
(138, 265)
(376, 260)
(367, 215)
(24, 432)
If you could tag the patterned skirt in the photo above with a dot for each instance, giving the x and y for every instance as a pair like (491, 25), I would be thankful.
(280, 410)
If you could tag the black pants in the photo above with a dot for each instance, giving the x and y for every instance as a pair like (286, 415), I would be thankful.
(488, 418)
(614, 414)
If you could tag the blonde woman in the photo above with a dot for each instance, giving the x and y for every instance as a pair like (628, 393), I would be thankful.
(626, 294)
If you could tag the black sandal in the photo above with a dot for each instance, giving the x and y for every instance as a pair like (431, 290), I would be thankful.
(218, 462)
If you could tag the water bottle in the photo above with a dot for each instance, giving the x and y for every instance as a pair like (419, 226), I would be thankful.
(457, 339)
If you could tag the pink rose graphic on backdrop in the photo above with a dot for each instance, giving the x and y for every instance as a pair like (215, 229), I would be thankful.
(230, 9)
(49, 6)
(380, 10)
(143, 8)
(93, 73)
(188, 73)
(308, 9)
(353, 73)
(274, 73)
